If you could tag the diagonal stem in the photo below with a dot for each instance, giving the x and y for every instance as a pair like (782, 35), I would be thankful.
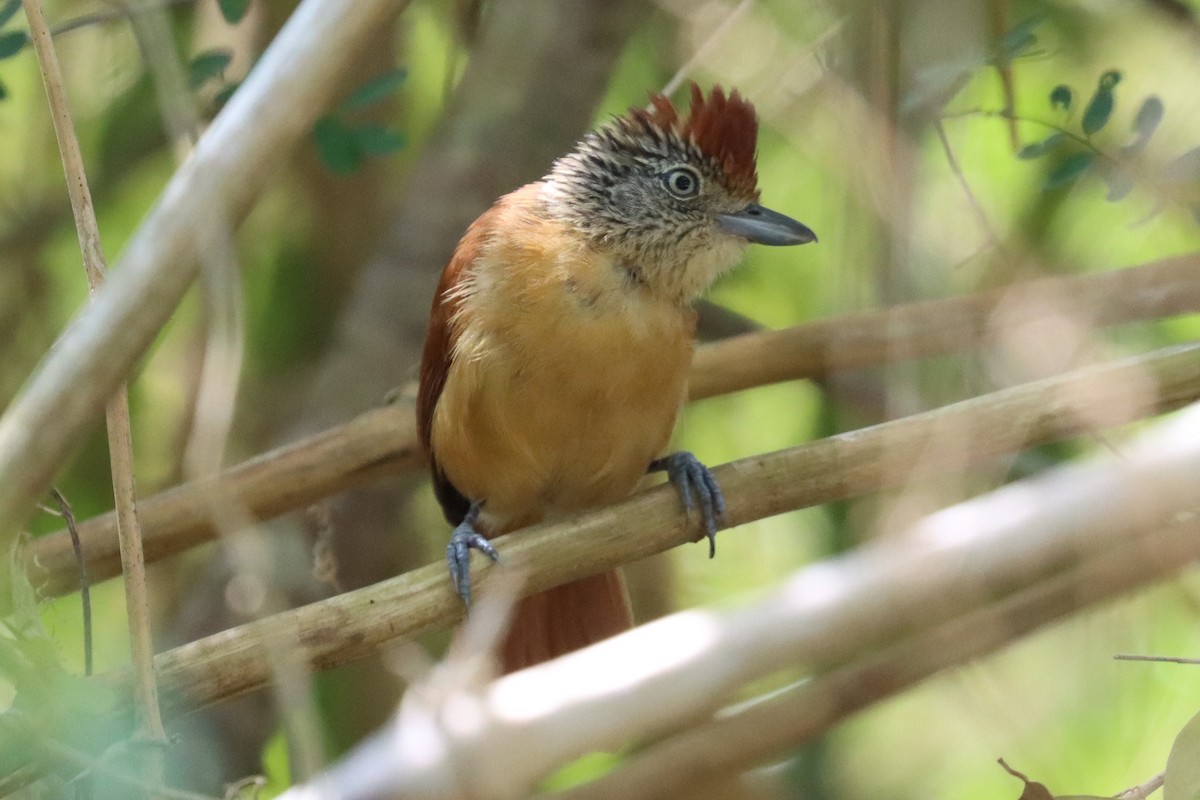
(149, 718)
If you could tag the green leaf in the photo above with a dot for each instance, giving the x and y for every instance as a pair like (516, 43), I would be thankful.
(1100, 107)
(3, 91)
(377, 140)
(1182, 778)
(1069, 170)
(12, 43)
(233, 10)
(8, 11)
(206, 66)
(1060, 97)
(1020, 38)
(337, 146)
(1039, 149)
(375, 90)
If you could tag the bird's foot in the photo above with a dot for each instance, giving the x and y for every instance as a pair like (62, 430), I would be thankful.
(458, 551)
(695, 482)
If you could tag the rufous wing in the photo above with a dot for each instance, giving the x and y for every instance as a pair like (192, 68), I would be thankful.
(439, 354)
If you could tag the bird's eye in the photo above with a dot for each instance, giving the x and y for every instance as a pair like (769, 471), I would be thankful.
(682, 182)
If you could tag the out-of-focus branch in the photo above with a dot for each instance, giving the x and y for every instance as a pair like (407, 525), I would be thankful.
(372, 445)
(113, 15)
(957, 584)
(383, 441)
(351, 625)
(937, 327)
(273, 109)
(758, 732)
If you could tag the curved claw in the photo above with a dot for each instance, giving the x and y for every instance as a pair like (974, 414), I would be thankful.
(458, 552)
(695, 482)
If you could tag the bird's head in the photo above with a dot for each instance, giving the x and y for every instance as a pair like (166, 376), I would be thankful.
(673, 198)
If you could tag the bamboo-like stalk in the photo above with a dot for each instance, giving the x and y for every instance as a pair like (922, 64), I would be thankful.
(383, 441)
(352, 625)
(120, 440)
(372, 445)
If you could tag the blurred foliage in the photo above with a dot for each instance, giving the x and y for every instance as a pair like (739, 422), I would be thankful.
(342, 143)
(1075, 125)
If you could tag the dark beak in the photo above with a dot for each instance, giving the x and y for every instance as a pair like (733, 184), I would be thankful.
(764, 226)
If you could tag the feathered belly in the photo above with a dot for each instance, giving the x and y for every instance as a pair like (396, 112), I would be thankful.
(541, 428)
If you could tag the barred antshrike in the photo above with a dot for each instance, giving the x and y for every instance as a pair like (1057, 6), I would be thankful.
(561, 335)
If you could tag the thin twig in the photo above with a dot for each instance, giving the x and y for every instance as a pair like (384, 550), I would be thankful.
(1144, 790)
(150, 725)
(85, 589)
(1162, 659)
(999, 20)
(976, 206)
(1013, 117)
(112, 15)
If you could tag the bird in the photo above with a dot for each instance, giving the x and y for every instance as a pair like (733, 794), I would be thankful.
(560, 337)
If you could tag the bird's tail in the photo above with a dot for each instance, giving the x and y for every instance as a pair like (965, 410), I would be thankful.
(563, 619)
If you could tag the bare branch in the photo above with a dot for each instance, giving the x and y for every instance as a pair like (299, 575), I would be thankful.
(351, 625)
(1157, 659)
(370, 446)
(383, 441)
(768, 728)
(1144, 790)
(967, 579)
(937, 327)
